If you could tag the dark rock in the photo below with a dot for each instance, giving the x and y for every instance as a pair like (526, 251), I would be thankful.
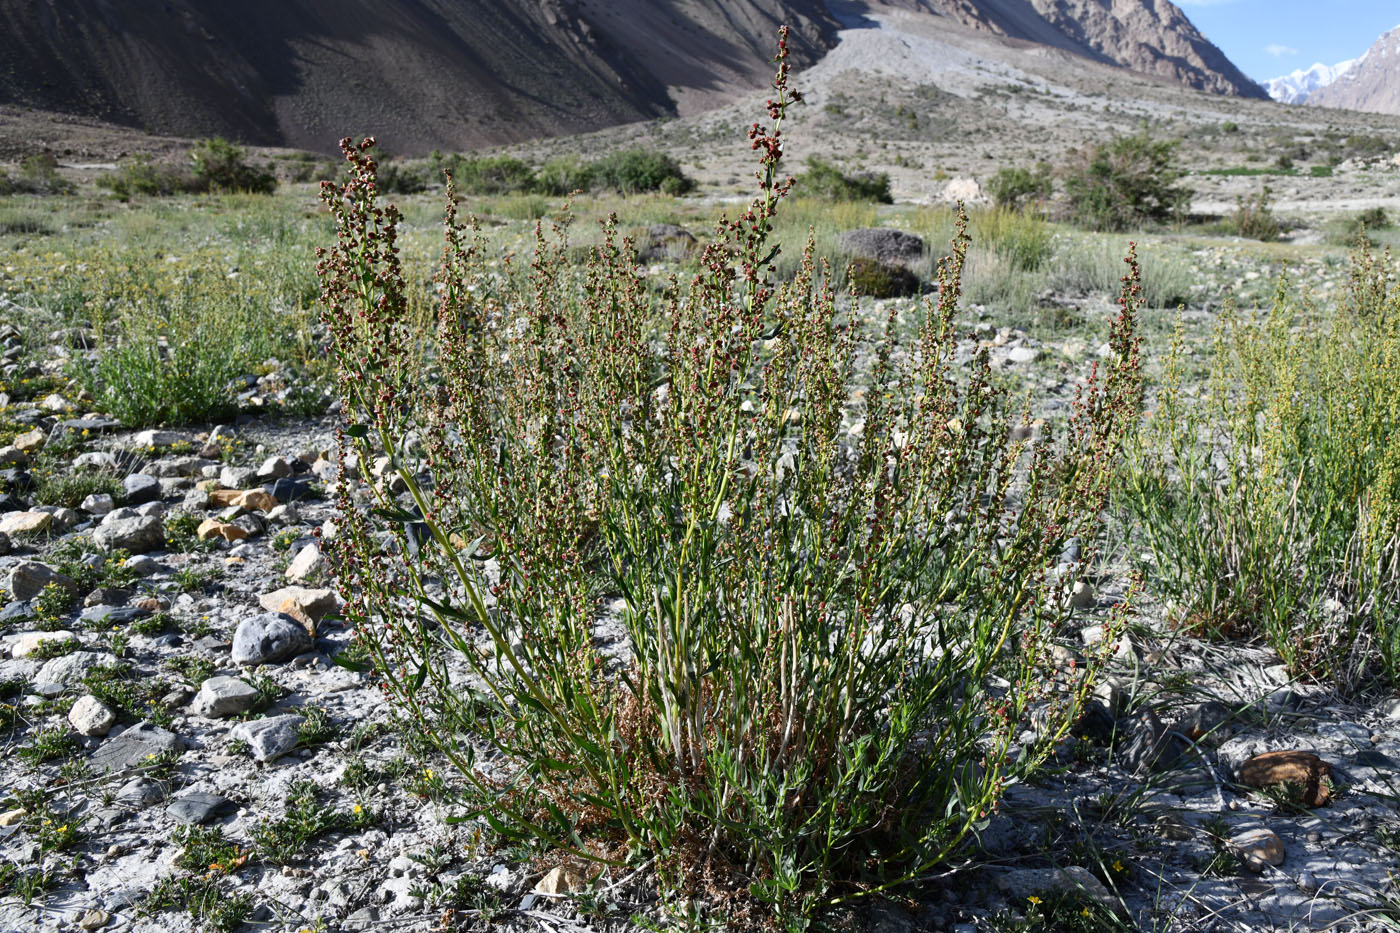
(1147, 745)
(290, 490)
(141, 488)
(112, 615)
(891, 247)
(197, 808)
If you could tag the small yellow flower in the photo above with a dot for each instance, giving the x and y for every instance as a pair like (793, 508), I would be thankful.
(1118, 866)
(1033, 899)
(1084, 912)
(359, 809)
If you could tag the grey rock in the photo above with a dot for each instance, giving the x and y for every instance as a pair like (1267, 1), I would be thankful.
(269, 738)
(140, 793)
(141, 565)
(133, 747)
(137, 535)
(71, 668)
(231, 477)
(29, 578)
(139, 488)
(99, 503)
(269, 638)
(196, 808)
(273, 468)
(883, 245)
(1148, 745)
(224, 696)
(91, 717)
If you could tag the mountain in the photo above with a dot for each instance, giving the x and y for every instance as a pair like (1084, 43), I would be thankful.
(418, 73)
(1149, 36)
(460, 74)
(1296, 87)
(1372, 83)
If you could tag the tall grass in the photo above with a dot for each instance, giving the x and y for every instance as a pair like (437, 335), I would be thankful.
(835, 633)
(1271, 501)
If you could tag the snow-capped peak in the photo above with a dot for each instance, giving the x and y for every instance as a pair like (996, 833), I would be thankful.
(1294, 88)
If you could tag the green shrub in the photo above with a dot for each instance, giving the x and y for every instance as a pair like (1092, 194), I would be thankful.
(484, 174)
(185, 380)
(1125, 183)
(633, 171)
(875, 279)
(38, 173)
(220, 165)
(824, 180)
(1271, 502)
(1358, 229)
(1017, 187)
(563, 175)
(834, 639)
(1023, 240)
(141, 176)
(1254, 216)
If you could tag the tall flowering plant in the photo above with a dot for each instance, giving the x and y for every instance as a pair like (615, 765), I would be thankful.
(833, 588)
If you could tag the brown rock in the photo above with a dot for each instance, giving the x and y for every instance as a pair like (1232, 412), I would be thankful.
(560, 882)
(307, 606)
(212, 528)
(1295, 767)
(1258, 848)
(223, 498)
(25, 523)
(256, 499)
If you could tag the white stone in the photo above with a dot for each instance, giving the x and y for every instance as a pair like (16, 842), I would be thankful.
(91, 716)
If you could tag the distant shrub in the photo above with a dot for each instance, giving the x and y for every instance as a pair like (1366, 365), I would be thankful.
(1022, 239)
(485, 174)
(824, 180)
(1015, 186)
(1254, 216)
(38, 174)
(141, 176)
(1321, 171)
(1129, 181)
(1357, 229)
(633, 171)
(563, 175)
(398, 177)
(1229, 126)
(220, 165)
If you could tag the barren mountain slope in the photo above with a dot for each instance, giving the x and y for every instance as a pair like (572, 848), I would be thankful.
(421, 73)
(1149, 36)
(1372, 84)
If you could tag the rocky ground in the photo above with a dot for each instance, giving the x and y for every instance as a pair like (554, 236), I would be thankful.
(186, 752)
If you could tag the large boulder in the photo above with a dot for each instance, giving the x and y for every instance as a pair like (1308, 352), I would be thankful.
(885, 246)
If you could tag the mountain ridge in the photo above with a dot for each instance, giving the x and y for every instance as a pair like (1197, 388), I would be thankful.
(424, 74)
(1371, 84)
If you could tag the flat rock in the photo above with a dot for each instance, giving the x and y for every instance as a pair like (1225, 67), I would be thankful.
(137, 534)
(307, 606)
(133, 747)
(28, 642)
(25, 523)
(269, 638)
(196, 808)
(212, 528)
(157, 440)
(71, 668)
(224, 696)
(269, 738)
(1037, 882)
(1305, 769)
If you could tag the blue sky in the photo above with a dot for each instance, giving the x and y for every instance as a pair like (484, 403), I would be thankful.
(1267, 38)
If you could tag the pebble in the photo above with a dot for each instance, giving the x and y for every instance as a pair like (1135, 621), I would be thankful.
(91, 717)
(1258, 848)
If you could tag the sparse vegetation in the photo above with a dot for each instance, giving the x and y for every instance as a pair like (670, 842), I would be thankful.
(1125, 183)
